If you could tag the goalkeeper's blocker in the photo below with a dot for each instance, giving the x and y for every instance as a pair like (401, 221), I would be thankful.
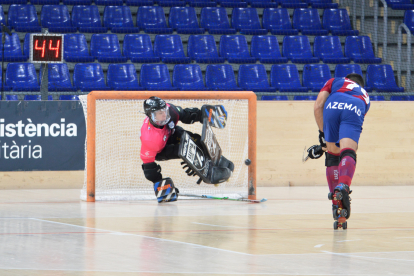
(207, 162)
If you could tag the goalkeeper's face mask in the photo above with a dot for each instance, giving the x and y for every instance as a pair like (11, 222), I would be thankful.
(161, 117)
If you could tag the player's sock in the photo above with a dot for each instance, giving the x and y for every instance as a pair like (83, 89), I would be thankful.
(347, 165)
(332, 161)
(332, 177)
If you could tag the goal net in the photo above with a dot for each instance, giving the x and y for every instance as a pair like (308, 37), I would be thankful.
(112, 156)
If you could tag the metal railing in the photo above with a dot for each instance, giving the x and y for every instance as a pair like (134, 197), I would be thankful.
(409, 58)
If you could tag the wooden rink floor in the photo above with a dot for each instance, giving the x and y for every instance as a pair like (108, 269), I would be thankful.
(52, 232)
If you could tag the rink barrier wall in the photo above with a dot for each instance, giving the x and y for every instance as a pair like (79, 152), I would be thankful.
(284, 128)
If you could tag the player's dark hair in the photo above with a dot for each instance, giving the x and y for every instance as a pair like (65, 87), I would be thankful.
(356, 78)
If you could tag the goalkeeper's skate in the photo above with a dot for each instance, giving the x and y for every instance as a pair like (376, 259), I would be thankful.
(342, 210)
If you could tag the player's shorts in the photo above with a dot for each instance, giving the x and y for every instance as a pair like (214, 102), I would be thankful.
(343, 116)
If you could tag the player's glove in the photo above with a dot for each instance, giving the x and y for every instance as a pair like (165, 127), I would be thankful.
(322, 140)
(315, 152)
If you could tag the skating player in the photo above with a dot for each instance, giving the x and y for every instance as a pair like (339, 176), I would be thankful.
(160, 141)
(339, 111)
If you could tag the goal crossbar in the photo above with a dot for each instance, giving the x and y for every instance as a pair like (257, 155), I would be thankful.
(168, 95)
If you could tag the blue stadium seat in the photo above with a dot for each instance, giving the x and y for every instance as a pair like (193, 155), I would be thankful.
(171, 3)
(155, 77)
(381, 78)
(322, 4)
(246, 21)
(215, 21)
(234, 48)
(188, 77)
(274, 98)
(2, 17)
(342, 70)
(315, 76)
(308, 22)
(409, 20)
(88, 77)
(221, 77)
(119, 20)
(203, 49)
(57, 19)
(138, 48)
(184, 20)
(75, 48)
(170, 49)
(36, 98)
(376, 98)
(297, 49)
(152, 20)
(201, 3)
(26, 46)
(106, 48)
(43, 2)
(292, 4)
(277, 21)
(304, 98)
(59, 77)
(87, 19)
(402, 98)
(262, 3)
(329, 49)
(12, 49)
(122, 77)
(253, 77)
(109, 2)
(5, 87)
(139, 3)
(337, 22)
(68, 98)
(9, 2)
(400, 4)
(12, 98)
(359, 49)
(232, 3)
(77, 2)
(22, 77)
(285, 78)
(266, 49)
(23, 18)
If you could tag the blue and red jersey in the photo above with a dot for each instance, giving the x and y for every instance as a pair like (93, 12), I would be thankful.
(347, 86)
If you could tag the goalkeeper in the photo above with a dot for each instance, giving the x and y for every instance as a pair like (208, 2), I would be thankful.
(160, 141)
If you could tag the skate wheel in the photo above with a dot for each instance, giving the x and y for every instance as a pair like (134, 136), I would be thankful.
(335, 225)
(344, 225)
(344, 213)
(339, 196)
(330, 196)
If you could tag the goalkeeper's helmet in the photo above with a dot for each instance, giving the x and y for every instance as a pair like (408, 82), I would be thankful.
(157, 111)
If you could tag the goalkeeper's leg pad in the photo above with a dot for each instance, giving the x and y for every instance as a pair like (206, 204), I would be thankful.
(165, 190)
(226, 163)
(219, 175)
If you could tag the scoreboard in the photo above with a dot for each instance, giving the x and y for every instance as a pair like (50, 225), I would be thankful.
(46, 48)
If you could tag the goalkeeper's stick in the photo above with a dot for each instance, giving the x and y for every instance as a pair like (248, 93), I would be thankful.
(226, 198)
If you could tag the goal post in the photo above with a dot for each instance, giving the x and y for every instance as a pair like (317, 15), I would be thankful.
(111, 112)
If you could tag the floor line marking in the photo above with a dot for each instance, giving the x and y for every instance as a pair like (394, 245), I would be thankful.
(366, 257)
(238, 227)
(178, 272)
(142, 236)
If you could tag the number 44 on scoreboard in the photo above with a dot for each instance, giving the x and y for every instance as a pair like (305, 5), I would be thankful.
(46, 48)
